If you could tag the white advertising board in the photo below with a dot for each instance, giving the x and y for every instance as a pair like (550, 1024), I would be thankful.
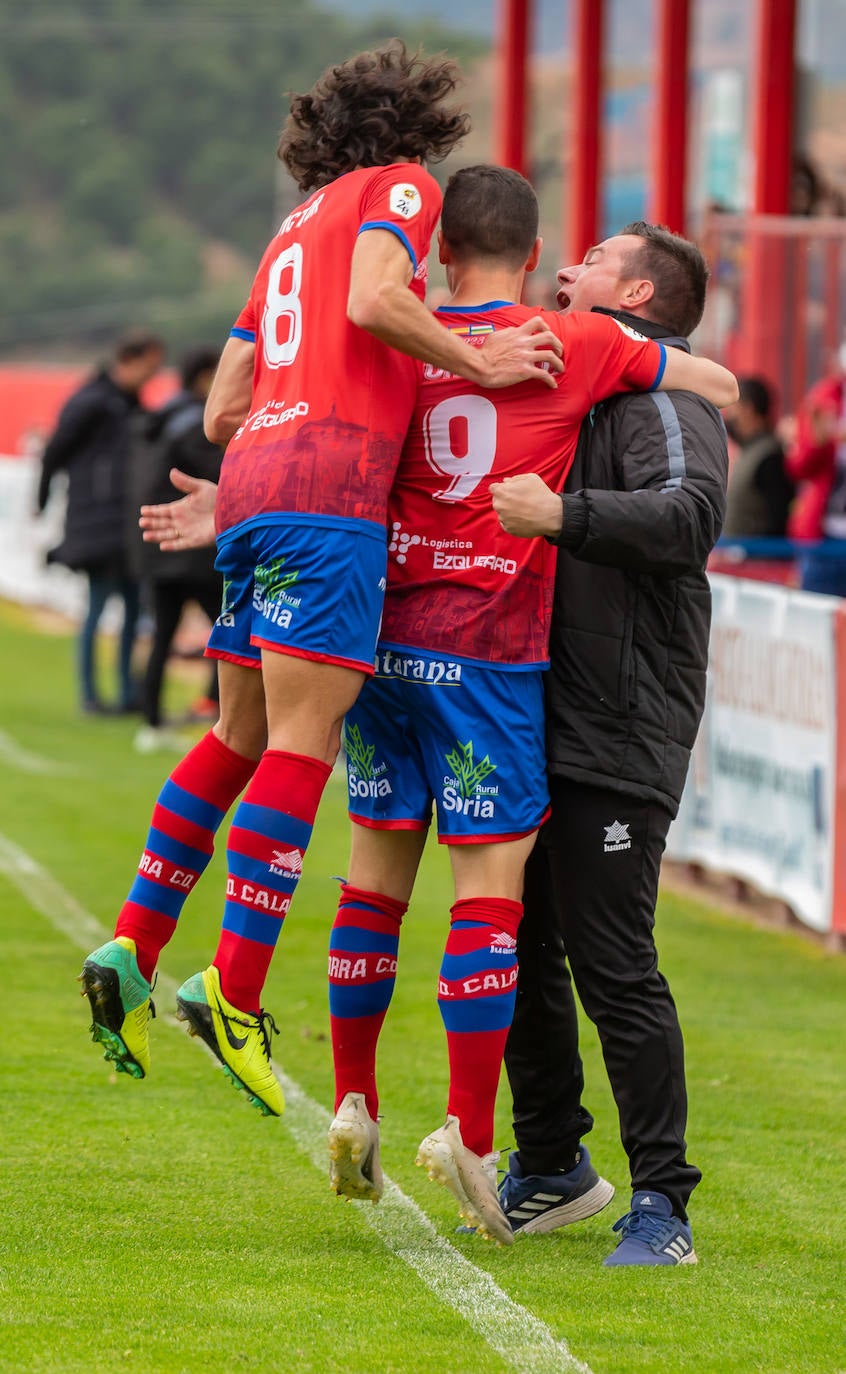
(25, 539)
(759, 799)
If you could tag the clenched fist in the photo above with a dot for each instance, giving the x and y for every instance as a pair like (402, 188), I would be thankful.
(527, 506)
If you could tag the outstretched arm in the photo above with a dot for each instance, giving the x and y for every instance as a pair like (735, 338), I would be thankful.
(185, 524)
(665, 515)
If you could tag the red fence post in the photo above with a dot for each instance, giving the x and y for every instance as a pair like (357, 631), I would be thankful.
(513, 52)
(583, 217)
(669, 169)
(773, 132)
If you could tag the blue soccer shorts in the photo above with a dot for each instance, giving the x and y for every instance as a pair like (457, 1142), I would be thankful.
(310, 586)
(464, 736)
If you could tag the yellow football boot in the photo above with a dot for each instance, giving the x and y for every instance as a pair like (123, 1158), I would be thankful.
(239, 1039)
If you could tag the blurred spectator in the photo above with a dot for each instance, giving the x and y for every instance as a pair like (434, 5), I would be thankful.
(816, 461)
(759, 489)
(540, 292)
(90, 444)
(173, 437)
(806, 186)
(810, 193)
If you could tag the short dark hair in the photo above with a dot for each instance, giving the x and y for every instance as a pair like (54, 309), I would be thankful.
(376, 108)
(490, 212)
(135, 343)
(756, 393)
(677, 270)
(195, 362)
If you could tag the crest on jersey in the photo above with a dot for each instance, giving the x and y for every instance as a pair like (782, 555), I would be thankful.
(632, 333)
(404, 200)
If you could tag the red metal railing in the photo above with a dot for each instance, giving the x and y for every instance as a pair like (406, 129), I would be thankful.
(777, 298)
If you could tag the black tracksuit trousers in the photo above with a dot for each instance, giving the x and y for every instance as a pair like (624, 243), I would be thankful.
(590, 900)
(169, 600)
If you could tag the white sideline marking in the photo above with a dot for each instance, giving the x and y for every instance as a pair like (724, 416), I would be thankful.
(16, 757)
(522, 1339)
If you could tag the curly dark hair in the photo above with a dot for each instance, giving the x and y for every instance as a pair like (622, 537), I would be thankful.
(376, 108)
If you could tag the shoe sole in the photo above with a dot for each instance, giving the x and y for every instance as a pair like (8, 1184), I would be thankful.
(351, 1162)
(692, 1258)
(102, 988)
(579, 1209)
(199, 1018)
(481, 1213)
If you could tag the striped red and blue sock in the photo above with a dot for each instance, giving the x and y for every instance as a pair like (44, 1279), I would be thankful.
(362, 970)
(270, 832)
(186, 817)
(476, 996)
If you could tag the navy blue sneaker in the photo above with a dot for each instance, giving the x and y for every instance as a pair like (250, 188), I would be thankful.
(540, 1202)
(651, 1234)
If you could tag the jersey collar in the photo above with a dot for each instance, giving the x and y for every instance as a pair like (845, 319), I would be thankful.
(472, 309)
(649, 328)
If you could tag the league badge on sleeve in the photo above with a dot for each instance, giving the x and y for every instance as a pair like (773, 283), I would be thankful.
(627, 329)
(405, 200)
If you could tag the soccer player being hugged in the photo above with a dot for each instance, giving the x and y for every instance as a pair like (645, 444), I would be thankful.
(313, 400)
(454, 715)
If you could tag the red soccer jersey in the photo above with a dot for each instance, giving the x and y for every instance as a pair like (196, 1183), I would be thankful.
(457, 583)
(330, 404)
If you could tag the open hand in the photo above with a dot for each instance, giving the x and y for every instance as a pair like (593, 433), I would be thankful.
(528, 352)
(185, 524)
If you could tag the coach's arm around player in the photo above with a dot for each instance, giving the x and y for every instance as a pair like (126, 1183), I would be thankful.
(666, 513)
(663, 509)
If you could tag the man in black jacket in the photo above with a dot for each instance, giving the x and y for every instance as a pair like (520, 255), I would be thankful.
(641, 510)
(173, 437)
(90, 444)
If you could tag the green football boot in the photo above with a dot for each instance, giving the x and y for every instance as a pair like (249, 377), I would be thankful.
(121, 1006)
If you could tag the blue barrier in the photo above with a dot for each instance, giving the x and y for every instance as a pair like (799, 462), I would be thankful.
(781, 550)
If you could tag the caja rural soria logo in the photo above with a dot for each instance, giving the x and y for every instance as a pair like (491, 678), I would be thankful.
(464, 790)
(363, 778)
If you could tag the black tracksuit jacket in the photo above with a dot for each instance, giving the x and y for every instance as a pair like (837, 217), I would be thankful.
(629, 645)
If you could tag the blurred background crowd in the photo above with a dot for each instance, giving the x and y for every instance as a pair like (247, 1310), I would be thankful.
(140, 186)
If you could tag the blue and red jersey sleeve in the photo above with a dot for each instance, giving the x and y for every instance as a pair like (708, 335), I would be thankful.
(245, 325)
(609, 356)
(405, 199)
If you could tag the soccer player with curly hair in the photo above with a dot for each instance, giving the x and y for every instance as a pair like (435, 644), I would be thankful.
(313, 399)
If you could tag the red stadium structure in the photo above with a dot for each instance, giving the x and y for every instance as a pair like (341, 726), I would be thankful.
(773, 262)
(776, 36)
(777, 303)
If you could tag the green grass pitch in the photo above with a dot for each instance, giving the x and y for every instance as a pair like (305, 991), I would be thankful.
(165, 1226)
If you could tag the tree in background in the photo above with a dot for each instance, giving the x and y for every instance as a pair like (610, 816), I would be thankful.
(139, 177)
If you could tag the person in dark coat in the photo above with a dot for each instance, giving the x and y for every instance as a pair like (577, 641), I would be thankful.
(759, 489)
(173, 437)
(641, 510)
(90, 443)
